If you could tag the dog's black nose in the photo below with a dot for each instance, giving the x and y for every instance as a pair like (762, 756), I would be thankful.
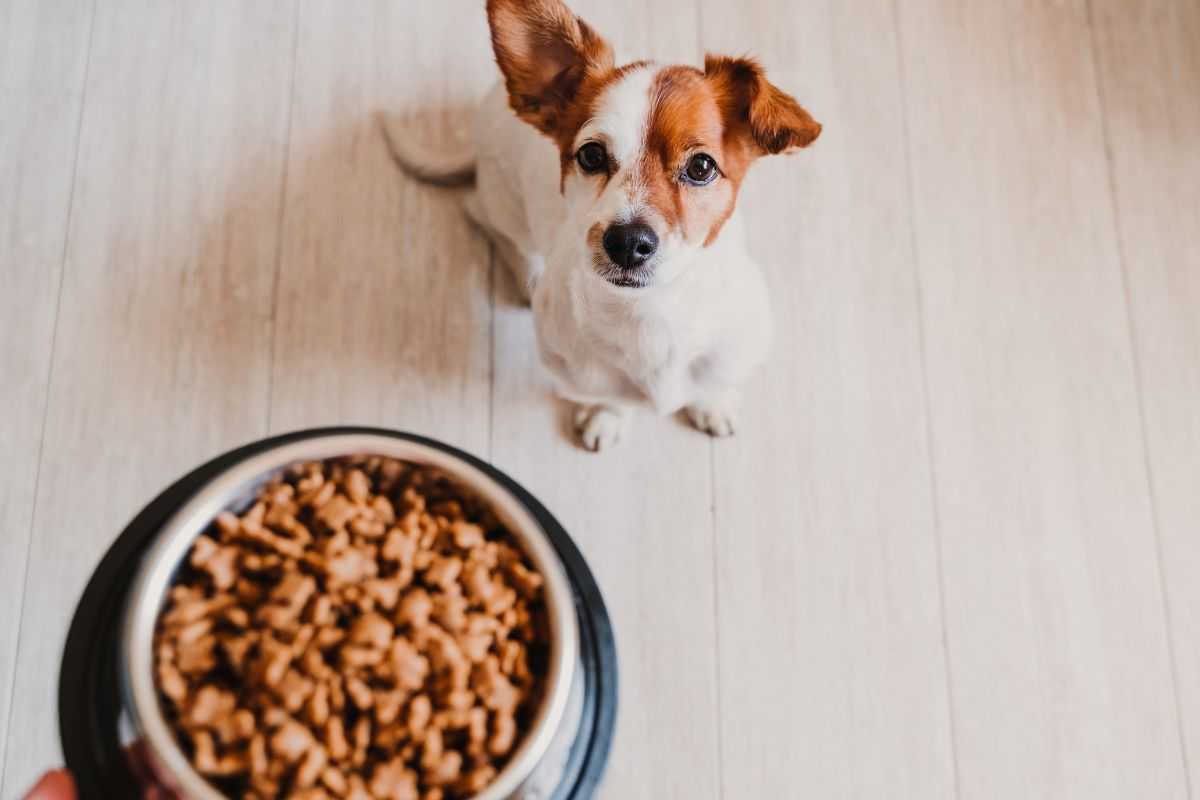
(629, 245)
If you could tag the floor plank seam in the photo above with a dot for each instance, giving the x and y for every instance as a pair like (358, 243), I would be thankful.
(1148, 468)
(281, 214)
(62, 278)
(926, 400)
(718, 710)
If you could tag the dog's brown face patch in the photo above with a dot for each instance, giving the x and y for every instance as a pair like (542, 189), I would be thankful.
(686, 122)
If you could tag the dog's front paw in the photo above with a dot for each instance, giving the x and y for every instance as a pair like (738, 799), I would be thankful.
(715, 420)
(600, 426)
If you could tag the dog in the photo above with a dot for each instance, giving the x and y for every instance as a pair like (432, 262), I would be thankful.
(610, 193)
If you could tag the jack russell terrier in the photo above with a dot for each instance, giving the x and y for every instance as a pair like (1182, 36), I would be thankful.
(610, 194)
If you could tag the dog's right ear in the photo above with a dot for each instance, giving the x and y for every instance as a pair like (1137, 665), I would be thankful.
(545, 53)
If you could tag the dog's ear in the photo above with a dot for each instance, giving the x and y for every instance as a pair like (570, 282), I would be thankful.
(545, 53)
(770, 118)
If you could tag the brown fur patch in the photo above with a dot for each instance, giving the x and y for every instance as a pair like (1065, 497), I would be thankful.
(686, 119)
(595, 237)
(555, 67)
(546, 54)
(755, 108)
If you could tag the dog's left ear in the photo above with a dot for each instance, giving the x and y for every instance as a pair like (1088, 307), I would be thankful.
(772, 120)
(545, 53)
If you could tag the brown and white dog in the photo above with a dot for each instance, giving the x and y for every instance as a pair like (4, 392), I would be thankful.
(611, 195)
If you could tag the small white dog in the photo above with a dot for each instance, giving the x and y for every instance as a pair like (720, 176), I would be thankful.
(617, 214)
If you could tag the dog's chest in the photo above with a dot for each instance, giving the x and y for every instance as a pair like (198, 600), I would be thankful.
(609, 352)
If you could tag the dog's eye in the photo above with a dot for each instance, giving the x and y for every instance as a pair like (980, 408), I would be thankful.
(592, 157)
(701, 169)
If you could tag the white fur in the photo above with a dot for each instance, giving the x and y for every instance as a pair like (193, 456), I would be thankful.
(621, 116)
(686, 340)
(601, 426)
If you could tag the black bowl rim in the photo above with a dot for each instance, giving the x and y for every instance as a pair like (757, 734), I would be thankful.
(89, 697)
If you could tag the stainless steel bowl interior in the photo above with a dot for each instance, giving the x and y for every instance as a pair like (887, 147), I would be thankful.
(234, 489)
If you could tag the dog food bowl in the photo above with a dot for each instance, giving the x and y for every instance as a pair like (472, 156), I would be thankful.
(108, 700)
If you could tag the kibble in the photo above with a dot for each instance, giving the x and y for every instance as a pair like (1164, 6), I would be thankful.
(365, 631)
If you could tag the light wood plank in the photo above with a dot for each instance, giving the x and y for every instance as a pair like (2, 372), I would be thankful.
(1149, 67)
(161, 356)
(823, 673)
(833, 677)
(1058, 650)
(45, 46)
(383, 306)
(640, 513)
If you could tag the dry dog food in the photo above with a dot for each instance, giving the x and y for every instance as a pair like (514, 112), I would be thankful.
(364, 631)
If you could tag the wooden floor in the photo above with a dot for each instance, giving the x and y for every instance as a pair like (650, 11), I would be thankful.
(953, 551)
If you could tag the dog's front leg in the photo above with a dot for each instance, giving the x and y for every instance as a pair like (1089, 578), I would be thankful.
(716, 412)
(711, 407)
(601, 425)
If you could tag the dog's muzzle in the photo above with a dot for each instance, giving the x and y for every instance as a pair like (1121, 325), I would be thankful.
(630, 244)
